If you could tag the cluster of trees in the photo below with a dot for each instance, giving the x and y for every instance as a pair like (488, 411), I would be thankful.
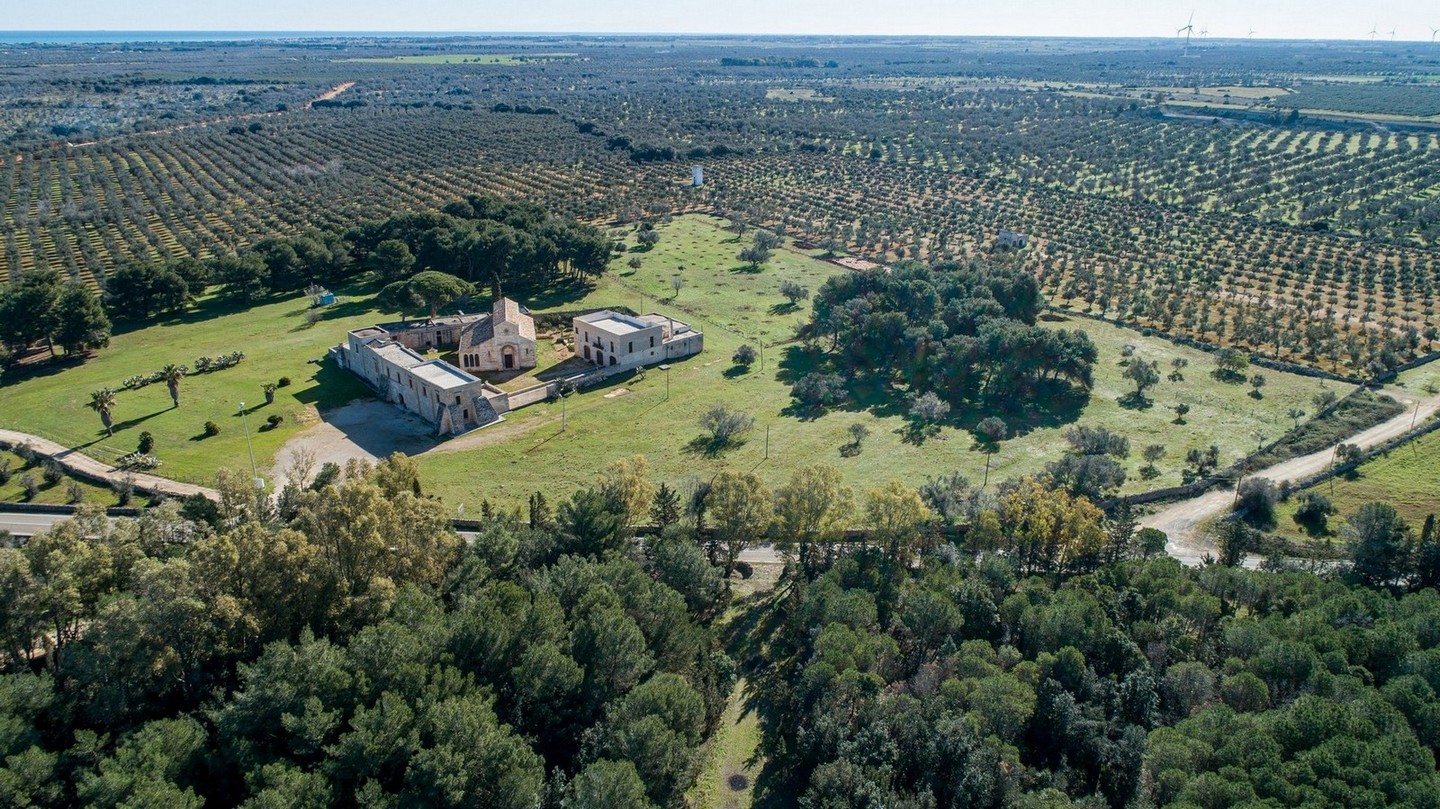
(42, 306)
(511, 247)
(343, 647)
(964, 332)
(1142, 683)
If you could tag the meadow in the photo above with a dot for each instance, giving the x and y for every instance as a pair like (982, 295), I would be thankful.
(720, 295)
(530, 451)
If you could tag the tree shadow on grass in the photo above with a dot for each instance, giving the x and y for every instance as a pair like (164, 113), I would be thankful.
(735, 371)
(708, 446)
(128, 423)
(785, 308)
(1135, 401)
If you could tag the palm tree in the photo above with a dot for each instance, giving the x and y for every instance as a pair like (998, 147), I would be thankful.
(172, 374)
(102, 401)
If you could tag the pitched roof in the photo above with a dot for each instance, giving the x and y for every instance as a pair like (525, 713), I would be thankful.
(508, 311)
(477, 334)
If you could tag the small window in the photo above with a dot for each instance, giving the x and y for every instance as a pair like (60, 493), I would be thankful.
(457, 400)
(652, 341)
(631, 347)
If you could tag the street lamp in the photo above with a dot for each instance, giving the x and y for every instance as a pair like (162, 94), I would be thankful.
(245, 426)
(666, 368)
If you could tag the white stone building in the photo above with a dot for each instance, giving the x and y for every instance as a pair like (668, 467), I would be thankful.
(610, 338)
(450, 399)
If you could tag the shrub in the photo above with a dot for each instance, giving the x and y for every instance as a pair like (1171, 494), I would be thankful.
(74, 492)
(53, 472)
(26, 453)
(1257, 498)
(29, 486)
(5, 472)
(137, 460)
(283, 382)
(124, 489)
(147, 442)
(1314, 511)
(274, 420)
(929, 409)
(211, 428)
(819, 390)
(725, 425)
(744, 356)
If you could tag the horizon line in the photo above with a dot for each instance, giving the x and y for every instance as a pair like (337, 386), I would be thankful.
(320, 33)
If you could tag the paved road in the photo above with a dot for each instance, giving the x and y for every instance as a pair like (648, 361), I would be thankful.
(28, 525)
(1181, 521)
(83, 465)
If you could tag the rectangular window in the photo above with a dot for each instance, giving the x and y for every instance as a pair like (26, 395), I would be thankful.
(631, 348)
(652, 341)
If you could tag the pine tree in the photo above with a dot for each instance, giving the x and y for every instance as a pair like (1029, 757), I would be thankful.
(665, 508)
(541, 517)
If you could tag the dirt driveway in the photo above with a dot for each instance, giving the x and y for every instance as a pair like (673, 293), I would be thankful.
(1182, 521)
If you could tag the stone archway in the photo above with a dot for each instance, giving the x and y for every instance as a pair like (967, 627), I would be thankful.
(507, 358)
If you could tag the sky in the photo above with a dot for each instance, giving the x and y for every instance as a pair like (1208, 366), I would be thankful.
(1287, 19)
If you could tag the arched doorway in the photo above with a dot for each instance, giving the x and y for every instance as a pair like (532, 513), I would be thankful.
(507, 358)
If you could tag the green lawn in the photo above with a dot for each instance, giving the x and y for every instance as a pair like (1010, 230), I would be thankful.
(277, 342)
(529, 451)
(54, 493)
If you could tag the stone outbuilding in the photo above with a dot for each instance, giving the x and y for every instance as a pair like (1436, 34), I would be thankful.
(504, 341)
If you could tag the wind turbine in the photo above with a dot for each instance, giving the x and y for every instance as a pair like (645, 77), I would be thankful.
(1188, 28)
(1373, 32)
(1204, 31)
(1433, 32)
(1392, 34)
(1253, 32)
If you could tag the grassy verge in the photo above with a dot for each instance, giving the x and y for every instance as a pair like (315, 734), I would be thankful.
(727, 777)
(1358, 413)
(58, 493)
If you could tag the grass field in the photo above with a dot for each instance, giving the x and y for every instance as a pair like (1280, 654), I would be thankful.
(1407, 478)
(277, 342)
(465, 58)
(530, 452)
(54, 493)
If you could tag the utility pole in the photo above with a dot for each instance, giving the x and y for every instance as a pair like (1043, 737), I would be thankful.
(562, 411)
(254, 470)
(767, 442)
(666, 369)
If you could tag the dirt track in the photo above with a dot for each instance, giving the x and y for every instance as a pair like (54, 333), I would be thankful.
(1182, 521)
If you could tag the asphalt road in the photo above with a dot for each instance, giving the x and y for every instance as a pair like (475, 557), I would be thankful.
(28, 525)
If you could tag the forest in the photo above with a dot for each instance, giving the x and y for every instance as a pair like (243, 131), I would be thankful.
(966, 333)
(342, 646)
